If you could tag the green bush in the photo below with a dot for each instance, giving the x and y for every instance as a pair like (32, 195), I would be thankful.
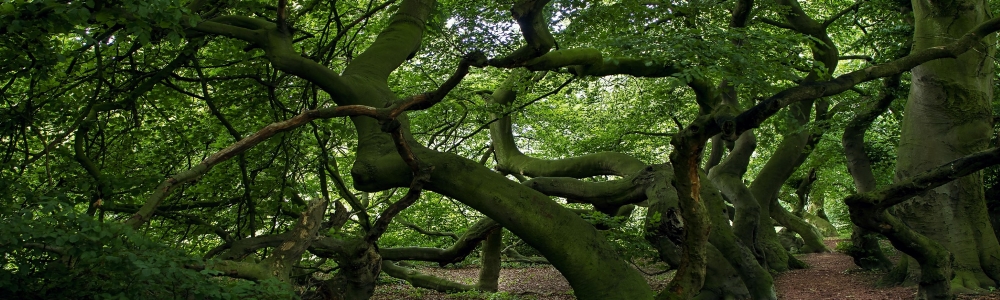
(55, 252)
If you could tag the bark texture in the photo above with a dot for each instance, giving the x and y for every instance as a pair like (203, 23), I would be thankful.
(489, 274)
(948, 116)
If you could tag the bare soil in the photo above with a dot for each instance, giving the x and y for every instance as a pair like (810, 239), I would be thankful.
(830, 276)
(835, 276)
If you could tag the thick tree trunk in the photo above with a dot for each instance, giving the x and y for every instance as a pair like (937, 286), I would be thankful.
(797, 145)
(811, 236)
(866, 251)
(768, 183)
(489, 274)
(869, 210)
(993, 206)
(949, 115)
(360, 265)
(817, 208)
(756, 278)
(664, 231)
(728, 177)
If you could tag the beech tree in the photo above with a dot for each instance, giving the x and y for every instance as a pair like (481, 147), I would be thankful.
(294, 144)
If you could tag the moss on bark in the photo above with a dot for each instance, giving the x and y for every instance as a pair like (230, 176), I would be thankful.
(949, 115)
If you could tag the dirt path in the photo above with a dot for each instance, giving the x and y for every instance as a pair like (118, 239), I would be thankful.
(835, 276)
(831, 276)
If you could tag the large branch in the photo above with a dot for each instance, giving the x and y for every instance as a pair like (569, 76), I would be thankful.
(910, 187)
(573, 245)
(290, 251)
(344, 29)
(870, 210)
(421, 280)
(395, 44)
(606, 196)
(858, 163)
(387, 116)
(756, 115)
(865, 249)
(168, 185)
(454, 254)
(728, 177)
(824, 50)
(590, 62)
(510, 159)
(741, 14)
(279, 51)
(741, 256)
(534, 28)
(788, 157)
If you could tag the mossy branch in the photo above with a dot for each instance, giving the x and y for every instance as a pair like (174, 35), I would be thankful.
(756, 115)
(456, 253)
(421, 280)
(534, 28)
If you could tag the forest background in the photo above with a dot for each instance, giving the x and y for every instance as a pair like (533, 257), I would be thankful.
(229, 149)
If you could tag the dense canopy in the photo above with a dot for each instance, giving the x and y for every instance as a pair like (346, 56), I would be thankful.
(310, 149)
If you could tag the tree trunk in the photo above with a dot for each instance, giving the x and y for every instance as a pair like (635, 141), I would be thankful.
(949, 115)
(664, 231)
(360, 265)
(866, 251)
(728, 177)
(757, 280)
(489, 275)
(816, 215)
(768, 183)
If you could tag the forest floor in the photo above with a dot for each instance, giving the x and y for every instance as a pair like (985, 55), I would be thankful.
(831, 276)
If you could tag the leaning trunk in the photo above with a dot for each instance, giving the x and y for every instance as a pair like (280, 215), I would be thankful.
(768, 183)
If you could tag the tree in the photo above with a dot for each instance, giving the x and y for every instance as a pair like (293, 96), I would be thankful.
(948, 116)
(135, 113)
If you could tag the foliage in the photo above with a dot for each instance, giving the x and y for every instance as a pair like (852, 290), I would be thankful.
(52, 251)
(101, 101)
(626, 235)
(476, 295)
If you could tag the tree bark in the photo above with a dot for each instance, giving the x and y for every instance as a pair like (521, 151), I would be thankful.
(728, 177)
(870, 210)
(489, 274)
(865, 249)
(758, 281)
(423, 280)
(949, 115)
(665, 232)
(768, 183)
